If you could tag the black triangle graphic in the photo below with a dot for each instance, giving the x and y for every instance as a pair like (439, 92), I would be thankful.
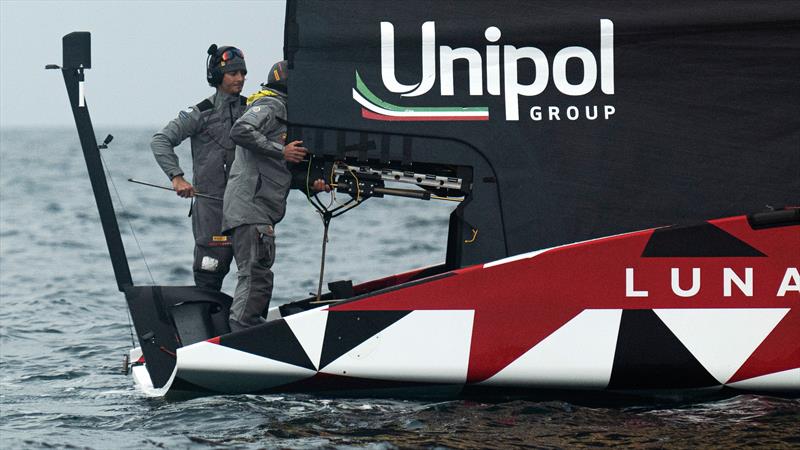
(704, 240)
(649, 356)
(273, 340)
(345, 330)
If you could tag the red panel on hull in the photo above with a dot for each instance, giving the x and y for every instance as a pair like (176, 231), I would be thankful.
(780, 350)
(519, 303)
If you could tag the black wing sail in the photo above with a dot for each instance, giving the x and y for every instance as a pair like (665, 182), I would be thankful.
(615, 119)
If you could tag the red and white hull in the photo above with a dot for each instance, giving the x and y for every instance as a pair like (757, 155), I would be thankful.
(679, 308)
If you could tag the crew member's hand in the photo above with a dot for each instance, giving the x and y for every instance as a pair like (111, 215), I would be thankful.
(182, 187)
(294, 151)
(320, 185)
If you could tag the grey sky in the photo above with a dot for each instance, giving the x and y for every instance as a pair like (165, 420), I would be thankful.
(148, 57)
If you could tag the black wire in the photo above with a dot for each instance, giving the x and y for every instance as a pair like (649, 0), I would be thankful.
(130, 224)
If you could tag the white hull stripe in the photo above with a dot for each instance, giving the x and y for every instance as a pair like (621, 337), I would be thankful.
(721, 338)
(580, 355)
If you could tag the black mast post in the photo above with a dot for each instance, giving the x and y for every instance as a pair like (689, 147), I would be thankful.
(165, 317)
(77, 57)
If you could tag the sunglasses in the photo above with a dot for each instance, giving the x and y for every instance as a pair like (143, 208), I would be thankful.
(231, 53)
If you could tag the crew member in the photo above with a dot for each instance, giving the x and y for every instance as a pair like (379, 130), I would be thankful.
(255, 198)
(208, 124)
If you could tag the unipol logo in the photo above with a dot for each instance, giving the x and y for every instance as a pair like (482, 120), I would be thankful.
(548, 72)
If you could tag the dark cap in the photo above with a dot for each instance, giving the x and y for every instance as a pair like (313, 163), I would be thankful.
(222, 60)
(277, 76)
(231, 59)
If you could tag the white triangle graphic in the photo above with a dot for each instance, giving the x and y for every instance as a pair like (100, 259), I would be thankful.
(309, 328)
(424, 346)
(579, 355)
(229, 370)
(721, 338)
(786, 381)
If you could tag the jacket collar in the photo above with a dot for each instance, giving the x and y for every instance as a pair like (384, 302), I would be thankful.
(221, 98)
(265, 92)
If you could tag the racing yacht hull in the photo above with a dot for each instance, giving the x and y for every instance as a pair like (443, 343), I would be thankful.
(671, 309)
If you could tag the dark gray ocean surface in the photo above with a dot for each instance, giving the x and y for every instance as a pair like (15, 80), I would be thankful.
(64, 329)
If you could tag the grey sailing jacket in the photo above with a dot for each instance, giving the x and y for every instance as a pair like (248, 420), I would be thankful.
(260, 179)
(208, 124)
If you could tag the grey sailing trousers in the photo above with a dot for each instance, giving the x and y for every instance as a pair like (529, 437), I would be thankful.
(212, 252)
(254, 251)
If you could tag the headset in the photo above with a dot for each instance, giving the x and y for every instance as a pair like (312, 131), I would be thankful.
(213, 72)
(216, 55)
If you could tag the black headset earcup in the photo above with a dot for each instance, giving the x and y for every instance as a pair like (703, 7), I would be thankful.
(213, 74)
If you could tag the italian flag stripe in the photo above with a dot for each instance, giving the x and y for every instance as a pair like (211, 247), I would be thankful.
(376, 109)
(367, 114)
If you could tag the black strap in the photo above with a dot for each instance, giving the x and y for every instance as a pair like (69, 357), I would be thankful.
(341, 142)
(363, 145)
(319, 140)
(407, 151)
(205, 105)
(385, 145)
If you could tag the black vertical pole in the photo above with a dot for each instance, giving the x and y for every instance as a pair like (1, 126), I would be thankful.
(76, 59)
